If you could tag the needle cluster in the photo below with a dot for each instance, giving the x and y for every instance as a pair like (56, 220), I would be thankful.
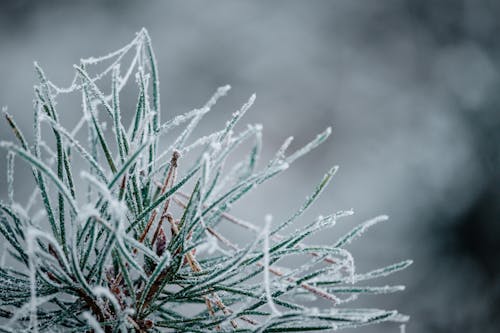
(123, 234)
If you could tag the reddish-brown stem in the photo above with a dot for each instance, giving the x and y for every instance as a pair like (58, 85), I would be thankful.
(172, 173)
(169, 179)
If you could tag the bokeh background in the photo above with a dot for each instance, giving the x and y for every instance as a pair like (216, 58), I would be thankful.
(411, 88)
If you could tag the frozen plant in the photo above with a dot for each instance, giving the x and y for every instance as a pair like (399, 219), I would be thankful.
(123, 234)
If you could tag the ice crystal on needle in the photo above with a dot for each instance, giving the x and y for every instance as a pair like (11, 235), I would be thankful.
(122, 233)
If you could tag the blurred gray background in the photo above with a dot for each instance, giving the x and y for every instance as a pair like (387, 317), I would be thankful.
(411, 88)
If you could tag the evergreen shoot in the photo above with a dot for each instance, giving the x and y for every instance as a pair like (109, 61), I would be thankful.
(123, 233)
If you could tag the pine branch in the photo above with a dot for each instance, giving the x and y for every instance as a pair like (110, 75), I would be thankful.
(139, 246)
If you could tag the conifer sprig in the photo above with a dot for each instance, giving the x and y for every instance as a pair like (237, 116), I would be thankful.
(123, 234)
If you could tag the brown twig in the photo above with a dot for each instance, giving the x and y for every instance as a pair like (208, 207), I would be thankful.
(169, 181)
(172, 173)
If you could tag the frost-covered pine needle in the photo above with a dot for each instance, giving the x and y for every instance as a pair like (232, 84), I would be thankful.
(267, 280)
(10, 176)
(122, 233)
